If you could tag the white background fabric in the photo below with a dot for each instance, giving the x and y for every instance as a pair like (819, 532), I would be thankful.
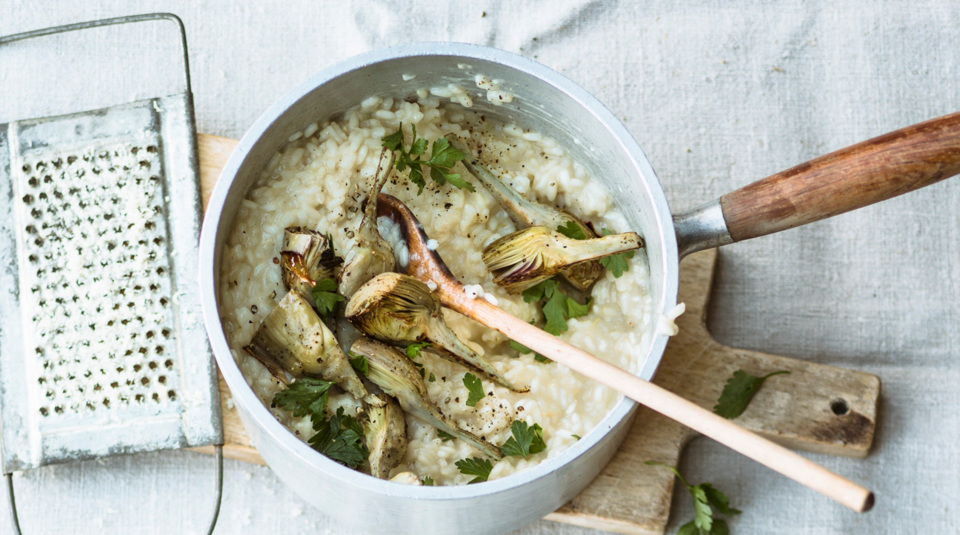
(718, 96)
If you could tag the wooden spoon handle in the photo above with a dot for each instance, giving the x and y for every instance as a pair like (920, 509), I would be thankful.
(724, 431)
(850, 178)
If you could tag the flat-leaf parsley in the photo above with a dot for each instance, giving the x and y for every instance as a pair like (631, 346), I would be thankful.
(558, 308)
(442, 158)
(738, 392)
(475, 386)
(475, 466)
(706, 498)
(526, 440)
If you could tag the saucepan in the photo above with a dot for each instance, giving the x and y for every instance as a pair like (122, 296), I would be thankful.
(549, 103)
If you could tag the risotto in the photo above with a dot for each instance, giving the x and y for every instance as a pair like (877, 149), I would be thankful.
(318, 181)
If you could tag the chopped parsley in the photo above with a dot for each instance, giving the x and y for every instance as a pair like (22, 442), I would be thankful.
(341, 439)
(524, 350)
(576, 436)
(432, 378)
(475, 466)
(526, 440)
(305, 397)
(413, 350)
(572, 230)
(706, 498)
(737, 393)
(616, 264)
(442, 158)
(359, 363)
(325, 296)
(444, 436)
(427, 481)
(475, 386)
(558, 308)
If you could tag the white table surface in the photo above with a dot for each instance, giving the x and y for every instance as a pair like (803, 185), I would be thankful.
(717, 96)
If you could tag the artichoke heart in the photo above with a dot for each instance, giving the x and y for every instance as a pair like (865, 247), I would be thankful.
(306, 256)
(385, 431)
(396, 375)
(371, 255)
(293, 340)
(527, 213)
(400, 309)
(522, 259)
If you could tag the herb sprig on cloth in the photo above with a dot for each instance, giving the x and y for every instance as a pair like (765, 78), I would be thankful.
(706, 498)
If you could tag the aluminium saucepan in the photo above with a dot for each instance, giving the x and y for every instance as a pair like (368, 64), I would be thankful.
(547, 102)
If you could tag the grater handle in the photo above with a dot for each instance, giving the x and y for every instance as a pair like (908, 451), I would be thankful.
(112, 22)
(211, 525)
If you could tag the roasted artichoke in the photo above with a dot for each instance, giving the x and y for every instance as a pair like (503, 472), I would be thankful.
(293, 340)
(371, 254)
(400, 309)
(306, 257)
(393, 372)
(522, 259)
(385, 432)
(526, 213)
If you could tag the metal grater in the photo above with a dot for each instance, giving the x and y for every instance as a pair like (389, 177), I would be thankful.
(102, 347)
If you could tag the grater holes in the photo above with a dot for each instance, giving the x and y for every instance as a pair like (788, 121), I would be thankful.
(100, 209)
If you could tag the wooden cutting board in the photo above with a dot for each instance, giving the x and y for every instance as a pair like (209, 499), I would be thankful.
(815, 408)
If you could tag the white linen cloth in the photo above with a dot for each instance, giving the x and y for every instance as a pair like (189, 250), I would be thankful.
(718, 95)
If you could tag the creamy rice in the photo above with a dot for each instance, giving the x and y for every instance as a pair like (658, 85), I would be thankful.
(318, 181)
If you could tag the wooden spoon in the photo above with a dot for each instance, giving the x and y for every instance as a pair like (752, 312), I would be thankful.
(427, 265)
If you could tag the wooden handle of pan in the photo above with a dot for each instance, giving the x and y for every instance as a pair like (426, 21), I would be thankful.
(850, 178)
(774, 456)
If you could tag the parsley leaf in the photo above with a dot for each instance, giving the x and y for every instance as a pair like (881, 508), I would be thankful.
(413, 350)
(359, 363)
(431, 378)
(444, 436)
(475, 466)
(475, 386)
(524, 350)
(393, 141)
(572, 230)
(616, 263)
(705, 498)
(341, 439)
(305, 397)
(558, 308)
(325, 296)
(526, 440)
(443, 157)
(738, 392)
(427, 481)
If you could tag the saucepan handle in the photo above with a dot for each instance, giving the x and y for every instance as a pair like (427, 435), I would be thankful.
(850, 178)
